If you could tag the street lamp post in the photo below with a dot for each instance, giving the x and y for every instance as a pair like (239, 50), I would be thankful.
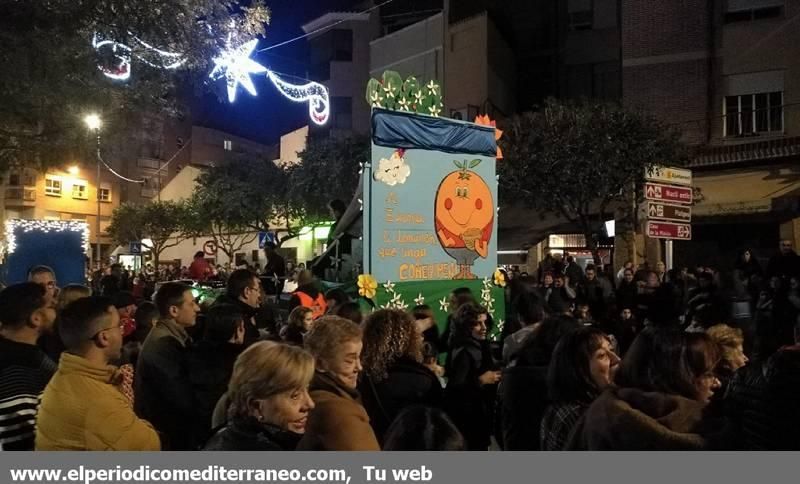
(93, 122)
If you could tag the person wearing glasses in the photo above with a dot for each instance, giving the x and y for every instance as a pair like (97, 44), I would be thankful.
(244, 293)
(46, 277)
(83, 407)
(25, 315)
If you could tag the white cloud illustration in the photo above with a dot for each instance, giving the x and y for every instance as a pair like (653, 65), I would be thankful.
(393, 170)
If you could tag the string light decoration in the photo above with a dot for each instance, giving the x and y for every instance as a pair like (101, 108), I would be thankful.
(45, 226)
(235, 65)
(144, 52)
(314, 93)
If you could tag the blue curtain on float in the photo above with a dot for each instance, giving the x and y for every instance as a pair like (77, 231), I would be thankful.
(396, 129)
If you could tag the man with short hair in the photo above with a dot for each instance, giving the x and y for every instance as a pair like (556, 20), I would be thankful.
(83, 407)
(163, 394)
(46, 277)
(275, 268)
(244, 292)
(786, 263)
(26, 313)
(591, 292)
(531, 314)
(125, 305)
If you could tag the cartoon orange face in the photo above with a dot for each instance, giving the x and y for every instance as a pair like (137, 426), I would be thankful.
(464, 213)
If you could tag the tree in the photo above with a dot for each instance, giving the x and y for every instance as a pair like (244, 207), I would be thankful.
(162, 223)
(50, 77)
(259, 195)
(580, 159)
(210, 216)
(329, 171)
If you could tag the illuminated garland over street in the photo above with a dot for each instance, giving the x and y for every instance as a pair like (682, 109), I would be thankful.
(233, 64)
(45, 226)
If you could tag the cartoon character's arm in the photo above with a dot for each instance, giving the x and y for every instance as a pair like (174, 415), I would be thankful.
(482, 248)
(448, 242)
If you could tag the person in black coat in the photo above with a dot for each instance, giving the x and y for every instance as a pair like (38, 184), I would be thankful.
(394, 376)
(627, 291)
(268, 400)
(523, 391)
(211, 363)
(472, 377)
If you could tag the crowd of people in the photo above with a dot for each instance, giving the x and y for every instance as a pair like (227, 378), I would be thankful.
(588, 360)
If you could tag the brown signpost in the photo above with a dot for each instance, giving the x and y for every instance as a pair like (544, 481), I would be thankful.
(669, 212)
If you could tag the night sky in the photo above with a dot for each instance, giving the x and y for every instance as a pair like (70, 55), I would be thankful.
(269, 115)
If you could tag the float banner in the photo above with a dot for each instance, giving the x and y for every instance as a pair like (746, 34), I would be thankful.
(430, 210)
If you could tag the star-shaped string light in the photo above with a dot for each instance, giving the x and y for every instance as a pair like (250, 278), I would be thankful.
(236, 66)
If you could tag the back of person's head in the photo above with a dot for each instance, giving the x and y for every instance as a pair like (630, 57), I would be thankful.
(389, 335)
(221, 323)
(337, 206)
(351, 311)
(326, 339)
(422, 311)
(199, 254)
(537, 348)
(238, 281)
(145, 316)
(82, 320)
(569, 376)
(422, 428)
(168, 295)
(305, 278)
(40, 269)
(19, 302)
(461, 296)
(123, 299)
(529, 308)
(71, 292)
(265, 370)
(667, 360)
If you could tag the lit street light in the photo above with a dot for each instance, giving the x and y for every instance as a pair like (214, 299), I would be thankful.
(93, 122)
(73, 170)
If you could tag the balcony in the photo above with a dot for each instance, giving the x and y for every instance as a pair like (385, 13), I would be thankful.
(20, 197)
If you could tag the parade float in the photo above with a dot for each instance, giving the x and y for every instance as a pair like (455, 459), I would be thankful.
(59, 244)
(428, 204)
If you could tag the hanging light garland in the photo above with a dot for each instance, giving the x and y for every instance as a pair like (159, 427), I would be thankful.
(233, 64)
(45, 226)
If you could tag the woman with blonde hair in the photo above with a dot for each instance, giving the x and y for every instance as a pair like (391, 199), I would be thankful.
(69, 293)
(339, 421)
(394, 375)
(730, 343)
(268, 397)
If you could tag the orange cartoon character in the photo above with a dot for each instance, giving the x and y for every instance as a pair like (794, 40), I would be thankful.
(464, 215)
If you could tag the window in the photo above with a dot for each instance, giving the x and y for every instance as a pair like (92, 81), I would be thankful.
(13, 179)
(342, 112)
(580, 14)
(105, 192)
(52, 186)
(228, 145)
(750, 114)
(751, 10)
(80, 190)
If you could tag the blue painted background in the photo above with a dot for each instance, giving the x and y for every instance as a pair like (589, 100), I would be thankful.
(63, 251)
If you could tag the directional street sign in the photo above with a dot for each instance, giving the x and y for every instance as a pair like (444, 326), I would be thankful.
(668, 212)
(669, 175)
(667, 193)
(667, 230)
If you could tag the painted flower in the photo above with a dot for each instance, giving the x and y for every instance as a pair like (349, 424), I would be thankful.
(389, 286)
(404, 104)
(435, 110)
(420, 300)
(367, 286)
(499, 278)
(433, 87)
(444, 305)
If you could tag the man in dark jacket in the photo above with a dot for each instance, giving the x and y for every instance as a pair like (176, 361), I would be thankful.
(274, 270)
(784, 264)
(26, 313)
(244, 292)
(163, 391)
(592, 292)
